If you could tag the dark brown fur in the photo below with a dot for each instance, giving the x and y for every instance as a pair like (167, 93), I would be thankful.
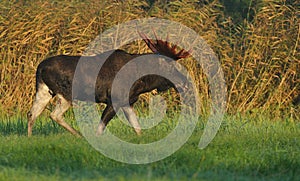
(55, 76)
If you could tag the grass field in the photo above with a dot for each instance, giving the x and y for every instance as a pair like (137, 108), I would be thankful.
(257, 43)
(245, 148)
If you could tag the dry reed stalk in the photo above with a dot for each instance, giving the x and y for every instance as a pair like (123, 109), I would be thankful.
(260, 58)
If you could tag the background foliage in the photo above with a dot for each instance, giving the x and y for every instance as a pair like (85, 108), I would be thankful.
(257, 43)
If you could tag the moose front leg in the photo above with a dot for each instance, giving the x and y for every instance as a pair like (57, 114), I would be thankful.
(107, 115)
(132, 119)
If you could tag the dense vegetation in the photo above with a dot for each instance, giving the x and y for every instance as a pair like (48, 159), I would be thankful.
(257, 43)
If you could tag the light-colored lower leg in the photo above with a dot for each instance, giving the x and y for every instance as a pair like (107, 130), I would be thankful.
(100, 129)
(132, 119)
(41, 100)
(107, 115)
(62, 106)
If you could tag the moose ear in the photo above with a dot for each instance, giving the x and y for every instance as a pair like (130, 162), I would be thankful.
(164, 47)
(149, 42)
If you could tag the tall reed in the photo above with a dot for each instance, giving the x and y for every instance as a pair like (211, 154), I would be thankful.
(260, 57)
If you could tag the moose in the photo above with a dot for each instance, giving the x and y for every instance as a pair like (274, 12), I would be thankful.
(54, 78)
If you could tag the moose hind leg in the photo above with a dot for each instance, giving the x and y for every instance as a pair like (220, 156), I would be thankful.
(132, 119)
(62, 106)
(41, 100)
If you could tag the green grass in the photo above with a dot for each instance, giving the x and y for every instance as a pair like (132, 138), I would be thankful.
(244, 149)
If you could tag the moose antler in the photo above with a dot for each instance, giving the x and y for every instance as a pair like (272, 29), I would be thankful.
(164, 47)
